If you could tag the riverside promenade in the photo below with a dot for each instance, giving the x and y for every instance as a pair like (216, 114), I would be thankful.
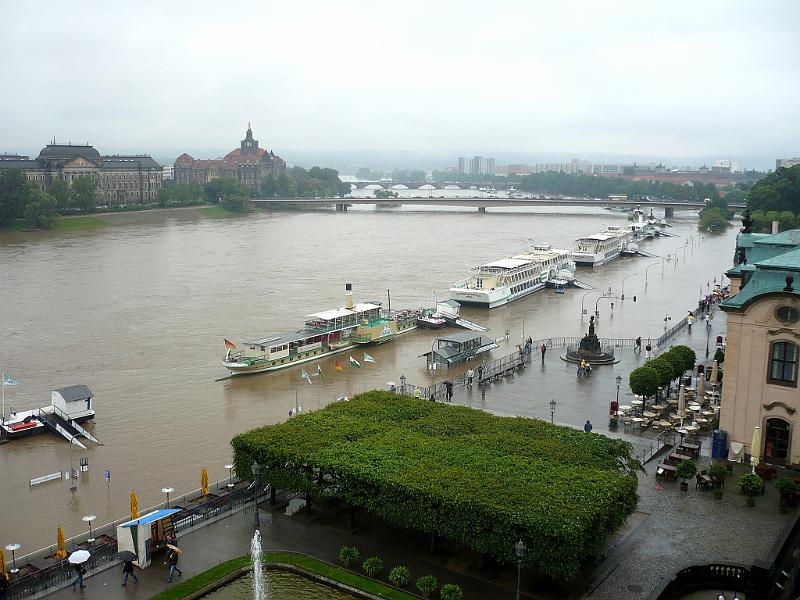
(671, 529)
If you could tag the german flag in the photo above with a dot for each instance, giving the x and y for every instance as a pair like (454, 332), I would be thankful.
(337, 366)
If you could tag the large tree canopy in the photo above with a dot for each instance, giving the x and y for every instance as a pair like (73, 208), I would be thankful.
(469, 476)
(778, 191)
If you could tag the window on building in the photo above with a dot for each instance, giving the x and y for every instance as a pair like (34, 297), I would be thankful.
(783, 363)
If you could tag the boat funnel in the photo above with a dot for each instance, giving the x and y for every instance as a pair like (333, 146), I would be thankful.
(348, 295)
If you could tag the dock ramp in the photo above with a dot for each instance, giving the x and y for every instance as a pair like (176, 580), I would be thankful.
(467, 324)
(667, 234)
(646, 253)
(581, 284)
(59, 423)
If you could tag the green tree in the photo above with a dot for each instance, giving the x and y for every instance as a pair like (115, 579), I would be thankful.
(676, 360)
(777, 191)
(644, 381)
(786, 220)
(84, 193)
(40, 208)
(236, 203)
(61, 192)
(664, 370)
(713, 220)
(14, 192)
(217, 189)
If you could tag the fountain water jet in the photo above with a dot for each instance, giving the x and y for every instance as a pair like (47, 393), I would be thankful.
(259, 577)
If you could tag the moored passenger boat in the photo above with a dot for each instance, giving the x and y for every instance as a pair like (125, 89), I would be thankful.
(599, 248)
(503, 281)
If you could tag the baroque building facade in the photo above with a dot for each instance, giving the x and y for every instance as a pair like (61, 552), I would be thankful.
(119, 179)
(248, 164)
(762, 355)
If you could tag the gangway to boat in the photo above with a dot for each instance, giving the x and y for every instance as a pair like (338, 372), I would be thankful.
(641, 252)
(581, 284)
(667, 234)
(59, 423)
(468, 324)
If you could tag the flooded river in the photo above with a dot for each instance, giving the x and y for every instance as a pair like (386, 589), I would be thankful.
(138, 312)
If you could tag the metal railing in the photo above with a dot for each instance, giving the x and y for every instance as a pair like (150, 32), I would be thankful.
(44, 571)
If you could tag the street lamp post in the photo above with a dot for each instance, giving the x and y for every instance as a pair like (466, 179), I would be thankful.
(167, 491)
(583, 311)
(552, 411)
(623, 283)
(619, 382)
(256, 469)
(519, 549)
(653, 264)
(230, 475)
(523, 324)
(708, 336)
(88, 519)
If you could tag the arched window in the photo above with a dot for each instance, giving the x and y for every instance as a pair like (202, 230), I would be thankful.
(783, 363)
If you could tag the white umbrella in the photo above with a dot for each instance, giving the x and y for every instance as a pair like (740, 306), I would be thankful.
(79, 556)
(755, 448)
(682, 402)
(714, 368)
(701, 385)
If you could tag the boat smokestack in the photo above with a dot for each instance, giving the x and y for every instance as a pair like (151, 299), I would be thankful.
(348, 295)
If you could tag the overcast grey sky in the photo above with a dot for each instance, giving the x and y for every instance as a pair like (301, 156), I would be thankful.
(652, 78)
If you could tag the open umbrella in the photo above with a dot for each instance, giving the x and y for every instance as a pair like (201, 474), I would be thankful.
(682, 403)
(127, 555)
(714, 369)
(175, 549)
(755, 448)
(204, 481)
(134, 505)
(79, 556)
(2, 563)
(61, 552)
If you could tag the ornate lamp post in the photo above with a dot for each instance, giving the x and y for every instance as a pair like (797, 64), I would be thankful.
(230, 475)
(519, 549)
(583, 310)
(13, 549)
(552, 411)
(256, 469)
(619, 382)
(646, 269)
(708, 335)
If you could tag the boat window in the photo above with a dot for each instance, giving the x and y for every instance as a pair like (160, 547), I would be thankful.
(263, 349)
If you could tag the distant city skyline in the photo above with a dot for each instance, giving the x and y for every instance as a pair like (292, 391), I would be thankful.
(712, 79)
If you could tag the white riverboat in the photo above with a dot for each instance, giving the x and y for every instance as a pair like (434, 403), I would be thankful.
(599, 248)
(324, 333)
(503, 281)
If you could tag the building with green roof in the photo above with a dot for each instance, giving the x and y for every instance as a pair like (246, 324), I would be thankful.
(760, 379)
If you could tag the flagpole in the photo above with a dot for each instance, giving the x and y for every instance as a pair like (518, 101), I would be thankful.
(3, 385)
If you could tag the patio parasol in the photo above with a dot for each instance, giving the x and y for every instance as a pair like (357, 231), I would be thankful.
(127, 555)
(61, 552)
(682, 403)
(204, 481)
(79, 556)
(755, 448)
(2, 563)
(134, 505)
(714, 368)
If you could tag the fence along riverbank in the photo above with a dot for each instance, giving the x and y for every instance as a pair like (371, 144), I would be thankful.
(506, 365)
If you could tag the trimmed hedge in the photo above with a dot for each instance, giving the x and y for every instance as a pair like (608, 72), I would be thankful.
(469, 476)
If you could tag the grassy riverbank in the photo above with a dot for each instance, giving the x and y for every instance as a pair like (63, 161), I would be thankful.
(195, 584)
(216, 212)
(61, 224)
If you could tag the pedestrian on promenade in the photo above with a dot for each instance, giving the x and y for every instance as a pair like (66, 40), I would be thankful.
(80, 571)
(690, 320)
(448, 386)
(637, 346)
(172, 561)
(470, 375)
(647, 351)
(127, 569)
(544, 351)
(588, 426)
(480, 375)
(417, 393)
(612, 307)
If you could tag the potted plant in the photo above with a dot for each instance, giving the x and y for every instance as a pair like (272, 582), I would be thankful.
(400, 576)
(372, 566)
(612, 424)
(450, 591)
(751, 485)
(686, 470)
(718, 473)
(427, 584)
(348, 554)
(786, 487)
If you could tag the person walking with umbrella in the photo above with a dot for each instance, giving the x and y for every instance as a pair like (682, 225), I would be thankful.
(77, 559)
(127, 567)
(172, 560)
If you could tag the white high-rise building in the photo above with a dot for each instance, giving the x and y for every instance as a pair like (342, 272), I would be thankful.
(787, 163)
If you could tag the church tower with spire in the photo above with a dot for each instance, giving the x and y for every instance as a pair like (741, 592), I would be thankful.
(249, 146)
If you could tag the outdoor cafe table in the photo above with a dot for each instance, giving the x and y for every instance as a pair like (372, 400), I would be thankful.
(690, 448)
(696, 408)
(665, 424)
(678, 457)
(636, 402)
(708, 413)
(649, 415)
(659, 406)
(672, 402)
(692, 428)
(625, 408)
